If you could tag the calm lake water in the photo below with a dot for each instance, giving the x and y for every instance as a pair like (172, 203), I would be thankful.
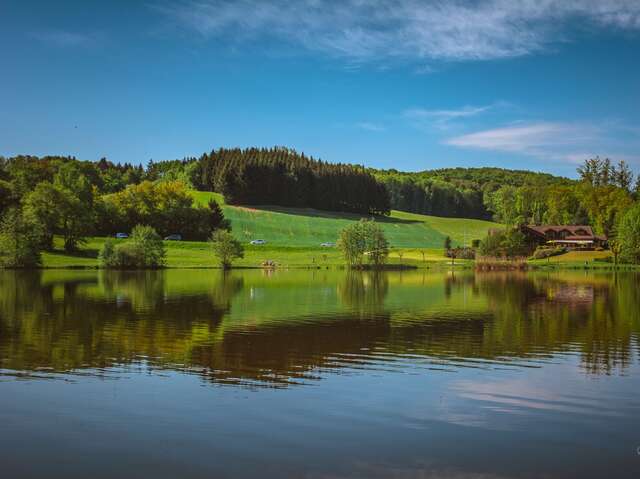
(319, 374)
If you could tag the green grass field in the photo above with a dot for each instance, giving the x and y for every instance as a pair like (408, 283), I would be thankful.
(307, 227)
(576, 259)
(194, 254)
(294, 235)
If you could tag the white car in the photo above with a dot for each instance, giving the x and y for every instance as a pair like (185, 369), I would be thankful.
(327, 245)
(258, 241)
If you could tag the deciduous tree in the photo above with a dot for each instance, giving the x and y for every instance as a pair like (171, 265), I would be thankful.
(629, 235)
(19, 241)
(226, 247)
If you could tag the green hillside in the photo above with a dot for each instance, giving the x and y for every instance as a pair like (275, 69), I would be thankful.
(308, 227)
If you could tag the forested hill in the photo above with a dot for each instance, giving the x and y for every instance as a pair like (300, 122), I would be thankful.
(458, 192)
(492, 175)
(282, 177)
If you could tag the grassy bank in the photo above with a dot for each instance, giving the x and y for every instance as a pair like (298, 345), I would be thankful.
(294, 235)
(581, 260)
(194, 254)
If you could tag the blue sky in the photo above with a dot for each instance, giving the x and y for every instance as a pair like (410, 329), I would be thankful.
(403, 84)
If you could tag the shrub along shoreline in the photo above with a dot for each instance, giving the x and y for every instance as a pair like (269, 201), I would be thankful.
(199, 255)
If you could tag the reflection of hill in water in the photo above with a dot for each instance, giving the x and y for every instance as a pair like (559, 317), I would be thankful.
(246, 328)
(597, 316)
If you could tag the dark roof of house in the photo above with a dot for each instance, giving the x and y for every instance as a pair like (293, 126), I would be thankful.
(571, 229)
(586, 232)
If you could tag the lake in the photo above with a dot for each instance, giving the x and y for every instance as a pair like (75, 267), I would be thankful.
(319, 374)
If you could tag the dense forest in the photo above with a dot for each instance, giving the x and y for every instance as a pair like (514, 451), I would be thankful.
(516, 197)
(280, 176)
(63, 196)
(458, 192)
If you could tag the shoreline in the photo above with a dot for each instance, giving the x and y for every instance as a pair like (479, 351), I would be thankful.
(198, 255)
(389, 268)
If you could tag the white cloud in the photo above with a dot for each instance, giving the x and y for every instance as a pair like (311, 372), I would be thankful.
(545, 140)
(442, 118)
(61, 38)
(520, 138)
(368, 126)
(405, 29)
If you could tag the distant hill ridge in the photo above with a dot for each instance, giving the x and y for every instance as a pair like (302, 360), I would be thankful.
(456, 192)
(284, 177)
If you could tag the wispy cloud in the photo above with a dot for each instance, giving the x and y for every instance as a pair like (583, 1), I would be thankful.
(64, 39)
(570, 142)
(368, 126)
(404, 29)
(518, 138)
(442, 119)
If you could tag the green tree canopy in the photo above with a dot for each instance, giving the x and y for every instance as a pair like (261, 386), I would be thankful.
(19, 241)
(144, 249)
(509, 243)
(226, 247)
(363, 239)
(629, 235)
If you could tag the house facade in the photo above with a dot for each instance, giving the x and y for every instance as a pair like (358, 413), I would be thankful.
(569, 236)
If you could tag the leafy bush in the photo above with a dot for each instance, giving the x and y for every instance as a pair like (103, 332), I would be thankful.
(107, 253)
(510, 243)
(461, 253)
(19, 241)
(629, 235)
(544, 252)
(122, 256)
(150, 244)
(144, 249)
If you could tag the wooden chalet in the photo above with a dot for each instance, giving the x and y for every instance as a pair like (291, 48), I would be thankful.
(569, 236)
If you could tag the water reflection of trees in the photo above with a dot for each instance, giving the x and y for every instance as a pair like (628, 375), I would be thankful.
(528, 317)
(364, 291)
(102, 320)
(597, 316)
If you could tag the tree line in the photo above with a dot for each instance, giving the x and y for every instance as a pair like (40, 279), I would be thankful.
(605, 197)
(599, 197)
(55, 195)
(44, 197)
(457, 192)
(512, 197)
(284, 177)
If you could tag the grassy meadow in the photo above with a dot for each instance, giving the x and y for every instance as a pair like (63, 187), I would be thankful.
(195, 254)
(306, 227)
(294, 236)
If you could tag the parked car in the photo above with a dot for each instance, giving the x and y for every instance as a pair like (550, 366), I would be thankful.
(327, 245)
(173, 238)
(258, 241)
(122, 235)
